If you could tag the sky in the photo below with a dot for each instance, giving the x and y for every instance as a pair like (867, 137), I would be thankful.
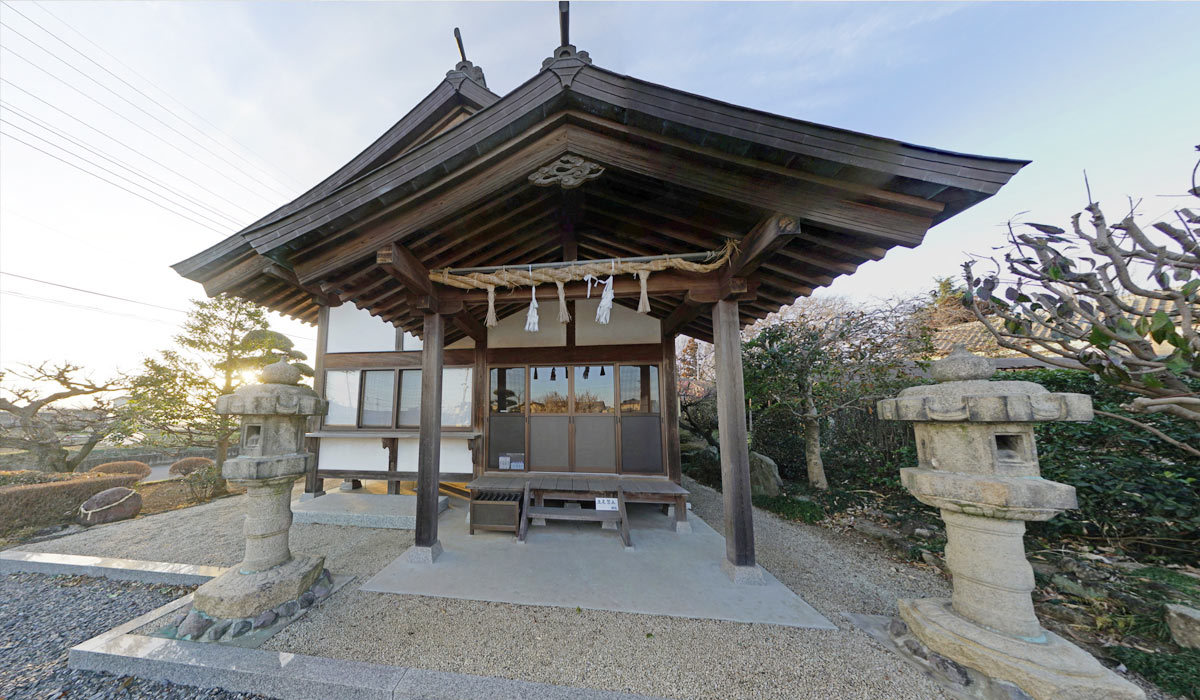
(237, 107)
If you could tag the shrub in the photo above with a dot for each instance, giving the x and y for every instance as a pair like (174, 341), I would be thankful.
(31, 476)
(187, 465)
(779, 434)
(53, 501)
(139, 469)
(1136, 492)
(206, 483)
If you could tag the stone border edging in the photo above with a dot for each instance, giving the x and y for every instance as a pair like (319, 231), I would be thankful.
(13, 561)
(294, 676)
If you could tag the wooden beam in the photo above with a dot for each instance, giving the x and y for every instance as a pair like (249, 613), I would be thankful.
(764, 239)
(495, 172)
(319, 296)
(665, 282)
(824, 210)
(731, 429)
(429, 444)
(238, 274)
(470, 325)
(400, 263)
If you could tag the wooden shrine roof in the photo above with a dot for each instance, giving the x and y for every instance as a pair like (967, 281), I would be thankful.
(450, 184)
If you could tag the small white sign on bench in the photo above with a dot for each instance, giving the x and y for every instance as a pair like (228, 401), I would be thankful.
(606, 504)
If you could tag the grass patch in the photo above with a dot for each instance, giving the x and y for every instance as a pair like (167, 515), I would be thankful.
(1175, 673)
(791, 508)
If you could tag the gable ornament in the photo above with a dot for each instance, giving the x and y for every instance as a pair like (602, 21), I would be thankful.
(568, 172)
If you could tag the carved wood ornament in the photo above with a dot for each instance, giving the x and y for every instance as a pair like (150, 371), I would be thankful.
(568, 172)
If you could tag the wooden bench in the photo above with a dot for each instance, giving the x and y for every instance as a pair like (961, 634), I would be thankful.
(618, 516)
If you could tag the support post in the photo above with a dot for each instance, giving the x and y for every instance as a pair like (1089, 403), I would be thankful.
(427, 547)
(670, 406)
(314, 485)
(735, 453)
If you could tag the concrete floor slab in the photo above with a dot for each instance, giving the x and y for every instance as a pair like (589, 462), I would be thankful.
(580, 565)
(359, 509)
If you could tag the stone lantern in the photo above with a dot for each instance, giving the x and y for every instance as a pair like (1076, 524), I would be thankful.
(274, 414)
(978, 464)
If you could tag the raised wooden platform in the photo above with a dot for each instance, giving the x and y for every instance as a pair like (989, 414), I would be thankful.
(571, 487)
(633, 486)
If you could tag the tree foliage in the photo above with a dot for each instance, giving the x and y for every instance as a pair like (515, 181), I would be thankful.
(224, 341)
(1120, 301)
(43, 420)
(820, 359)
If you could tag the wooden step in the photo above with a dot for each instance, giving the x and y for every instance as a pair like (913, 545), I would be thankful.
(587, 514)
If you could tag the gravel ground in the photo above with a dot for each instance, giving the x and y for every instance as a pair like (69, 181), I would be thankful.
(670, 657)
(41, 617)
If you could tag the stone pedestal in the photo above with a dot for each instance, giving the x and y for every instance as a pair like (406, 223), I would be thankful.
(978, 465)
(272, 459)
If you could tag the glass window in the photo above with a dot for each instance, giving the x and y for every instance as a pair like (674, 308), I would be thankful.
(548, 390)
(377, 398)
(411, 342)
(594, 389)
(410, 398)
(639, 389)
(456, 397)
(508, 390)
(341, 389)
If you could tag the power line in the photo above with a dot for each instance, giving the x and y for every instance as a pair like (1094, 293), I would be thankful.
(140, 126)
(116, 161)
(141, 109)
(60, 302)
(177, 101)
(101, 177)
(116, 174)
(108, 296)
(119, 142)
(134, 87)
(88, 291)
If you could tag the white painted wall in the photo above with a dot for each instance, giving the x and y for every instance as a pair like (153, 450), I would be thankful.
(510, 331)
(352, 453)
(625, 326)
(356, 330)
(367, 454)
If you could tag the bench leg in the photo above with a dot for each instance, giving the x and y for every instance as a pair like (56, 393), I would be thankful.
(539, 502)
(624, 519)
(682, 526)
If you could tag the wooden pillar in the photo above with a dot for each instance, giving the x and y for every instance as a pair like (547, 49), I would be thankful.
(479, 407)
(430, 442)
(670, 406)
(314, 485)
(731, 423)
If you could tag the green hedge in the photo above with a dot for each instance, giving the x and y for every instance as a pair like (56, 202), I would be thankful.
(1135, 491)
(53, 502)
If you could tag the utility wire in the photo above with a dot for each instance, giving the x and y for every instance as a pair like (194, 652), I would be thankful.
(88, 291)
(141, 109)
(111, 172)
(126, 66)
(119, 163)
(134, 87)
(123, 144)
(101, 177)
(60, 302)
(140, 126)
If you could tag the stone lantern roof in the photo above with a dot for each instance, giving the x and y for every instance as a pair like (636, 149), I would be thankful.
(964, 392)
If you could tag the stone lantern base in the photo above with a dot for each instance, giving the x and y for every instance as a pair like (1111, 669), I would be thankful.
(234, 594)
(1046, 668)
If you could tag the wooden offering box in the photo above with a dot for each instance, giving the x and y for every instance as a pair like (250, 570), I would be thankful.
(495, 510)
